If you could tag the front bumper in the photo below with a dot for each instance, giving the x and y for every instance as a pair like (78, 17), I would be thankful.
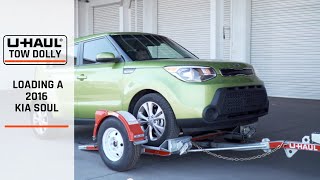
(231, 107)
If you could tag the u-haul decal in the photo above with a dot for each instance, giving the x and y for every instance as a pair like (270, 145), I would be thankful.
(302, 146)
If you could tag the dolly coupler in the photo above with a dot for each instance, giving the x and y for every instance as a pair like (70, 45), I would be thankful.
(309, 143)
(133, 128)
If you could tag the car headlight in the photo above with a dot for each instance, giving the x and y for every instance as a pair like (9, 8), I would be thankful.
(192, 73)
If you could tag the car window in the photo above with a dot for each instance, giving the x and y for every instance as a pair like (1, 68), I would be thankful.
(151, 47)
(92, 48)
(75, 54)
(163, 51)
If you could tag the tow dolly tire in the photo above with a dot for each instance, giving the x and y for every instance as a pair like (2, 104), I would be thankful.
(131, 152)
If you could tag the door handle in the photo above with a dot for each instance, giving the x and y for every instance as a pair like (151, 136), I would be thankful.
(82, 77)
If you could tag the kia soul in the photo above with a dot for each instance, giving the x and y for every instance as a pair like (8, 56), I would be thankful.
(165, 86)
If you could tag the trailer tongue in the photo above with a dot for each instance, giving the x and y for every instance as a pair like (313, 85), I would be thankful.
(128, 131)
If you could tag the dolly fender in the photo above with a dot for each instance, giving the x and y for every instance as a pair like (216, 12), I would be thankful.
(133, 128)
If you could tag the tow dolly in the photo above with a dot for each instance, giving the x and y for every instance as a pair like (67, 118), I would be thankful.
(120, 141)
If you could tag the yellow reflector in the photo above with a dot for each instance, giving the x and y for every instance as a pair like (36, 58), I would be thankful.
(171, 69)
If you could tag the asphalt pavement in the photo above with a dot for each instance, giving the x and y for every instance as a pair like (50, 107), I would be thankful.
(288, 119)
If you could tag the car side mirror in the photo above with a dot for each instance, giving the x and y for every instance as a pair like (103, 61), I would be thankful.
(106, 57)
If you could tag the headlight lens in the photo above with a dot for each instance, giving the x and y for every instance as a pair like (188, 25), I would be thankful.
(192, 73)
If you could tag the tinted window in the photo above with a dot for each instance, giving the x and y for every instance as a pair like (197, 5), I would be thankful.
(92, 48)
(151, 47)
(75, 54)
(164, 51)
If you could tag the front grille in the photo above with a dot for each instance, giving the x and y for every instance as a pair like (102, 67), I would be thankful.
(236, 72)
(242, 100)
(237, 103)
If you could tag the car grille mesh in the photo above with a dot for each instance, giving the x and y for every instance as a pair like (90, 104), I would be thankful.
(247, 100)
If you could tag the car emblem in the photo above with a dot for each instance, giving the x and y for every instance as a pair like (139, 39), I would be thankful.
(236, 65)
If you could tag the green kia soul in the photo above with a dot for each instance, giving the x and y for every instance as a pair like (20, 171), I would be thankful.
(166, 87)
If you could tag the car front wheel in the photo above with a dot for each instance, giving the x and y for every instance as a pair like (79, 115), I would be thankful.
(156, 118)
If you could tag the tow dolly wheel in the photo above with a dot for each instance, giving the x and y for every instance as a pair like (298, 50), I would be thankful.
(115, 149)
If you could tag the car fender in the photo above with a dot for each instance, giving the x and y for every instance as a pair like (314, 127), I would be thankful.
(134, 87)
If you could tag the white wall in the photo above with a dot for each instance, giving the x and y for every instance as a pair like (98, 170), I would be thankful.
(239, 25)
(240, 30)
(83, 18)
(84, 23)
(150, 16)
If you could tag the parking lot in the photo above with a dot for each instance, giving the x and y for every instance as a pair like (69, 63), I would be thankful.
(289, 119)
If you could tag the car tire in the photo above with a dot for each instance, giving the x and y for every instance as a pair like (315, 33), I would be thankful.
(42, 118)
(168, 121)
(128, 157)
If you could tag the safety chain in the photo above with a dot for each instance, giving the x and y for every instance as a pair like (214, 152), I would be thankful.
(239, 159)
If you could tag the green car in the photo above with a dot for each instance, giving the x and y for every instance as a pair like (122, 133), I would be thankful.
(166, 87)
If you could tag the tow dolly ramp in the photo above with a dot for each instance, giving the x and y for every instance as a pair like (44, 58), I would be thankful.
(184, 144)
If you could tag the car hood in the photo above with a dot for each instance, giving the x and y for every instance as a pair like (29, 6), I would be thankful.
(216, 64)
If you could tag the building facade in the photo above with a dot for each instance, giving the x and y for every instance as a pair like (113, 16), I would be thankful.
(281, 39)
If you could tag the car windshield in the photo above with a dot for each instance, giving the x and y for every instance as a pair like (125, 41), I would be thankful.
(151, 47)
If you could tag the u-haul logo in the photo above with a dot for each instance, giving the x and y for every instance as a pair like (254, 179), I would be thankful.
(302, 146)
(35, 49)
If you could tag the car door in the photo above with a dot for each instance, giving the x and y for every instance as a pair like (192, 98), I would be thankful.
(98, 85)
